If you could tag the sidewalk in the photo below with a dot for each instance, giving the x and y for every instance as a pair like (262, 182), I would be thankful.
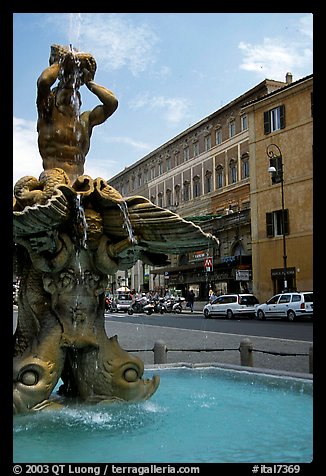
(139, 336)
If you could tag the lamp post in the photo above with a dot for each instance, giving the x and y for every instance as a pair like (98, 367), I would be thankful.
(276, 169)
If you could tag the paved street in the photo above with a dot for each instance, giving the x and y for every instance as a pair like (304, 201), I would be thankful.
(139, 335)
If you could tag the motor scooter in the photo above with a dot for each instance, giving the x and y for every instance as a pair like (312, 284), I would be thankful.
(173, 305)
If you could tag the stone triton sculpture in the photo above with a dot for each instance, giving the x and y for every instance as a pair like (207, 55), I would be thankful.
(71, 232)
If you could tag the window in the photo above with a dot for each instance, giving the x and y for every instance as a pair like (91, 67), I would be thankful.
(274, 223)
(285, 298)
(186, 154)
(177, 194)
(139, 180)
(273, 300)
(196, 149)
(196, 186)
(218, 136)
(168, 197)
(233, 171)
(152, 172)
(160, 199)
(208, 181)
(245, 166)
(208, 142)
(276, 162)
(231, 128)
(274, 119)
(219, 176)
(168, 164)
(186, 191)
(244, 122)
(160, 168)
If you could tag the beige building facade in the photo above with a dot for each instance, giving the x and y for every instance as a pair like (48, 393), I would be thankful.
(282, 252)
(204, 175)
(216, 174)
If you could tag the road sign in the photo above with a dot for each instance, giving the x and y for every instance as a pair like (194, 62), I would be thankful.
(208, 264)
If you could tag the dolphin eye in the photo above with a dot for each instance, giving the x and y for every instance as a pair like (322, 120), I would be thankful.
(29, 377)
(131, 375)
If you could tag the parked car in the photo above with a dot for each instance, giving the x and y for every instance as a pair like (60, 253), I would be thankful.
(122, 302)
(289, 306)
(231, 306)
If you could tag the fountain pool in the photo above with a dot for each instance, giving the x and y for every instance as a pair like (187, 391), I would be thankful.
(204, 415)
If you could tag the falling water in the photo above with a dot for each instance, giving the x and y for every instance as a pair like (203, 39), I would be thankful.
(80, 224)
(127, 223)
(74, 28)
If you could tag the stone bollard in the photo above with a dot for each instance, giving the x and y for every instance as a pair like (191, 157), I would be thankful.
(160, 352)
(311, 359)
(246, 357)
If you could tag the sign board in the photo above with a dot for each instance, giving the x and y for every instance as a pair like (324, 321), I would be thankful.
(166, 275)
(208, 264)
(241, 275)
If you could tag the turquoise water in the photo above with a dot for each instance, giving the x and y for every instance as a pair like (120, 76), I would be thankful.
(197, 415)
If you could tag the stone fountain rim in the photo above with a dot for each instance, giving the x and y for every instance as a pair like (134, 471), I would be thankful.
(238, 368)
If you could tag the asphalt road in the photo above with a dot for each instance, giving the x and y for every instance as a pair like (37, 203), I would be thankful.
(190, 338)
(299, 330)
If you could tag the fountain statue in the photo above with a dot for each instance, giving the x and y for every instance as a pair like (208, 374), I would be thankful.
(71, 232)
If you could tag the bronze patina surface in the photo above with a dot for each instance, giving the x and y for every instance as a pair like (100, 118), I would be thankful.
(70, 232)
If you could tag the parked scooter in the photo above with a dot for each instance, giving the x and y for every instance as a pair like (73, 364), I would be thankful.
(141, 305)
(173, 305)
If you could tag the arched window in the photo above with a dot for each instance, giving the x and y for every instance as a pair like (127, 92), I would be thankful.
(177, 189)
(219, 176)
(168, 197)
(245, 165)
(233, 171)
(196, 186)
(186, 190)
(208, 181)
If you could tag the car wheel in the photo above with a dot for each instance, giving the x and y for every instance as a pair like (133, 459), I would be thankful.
(229, 314)
(291, 316)
(207, 314)
(260, 315)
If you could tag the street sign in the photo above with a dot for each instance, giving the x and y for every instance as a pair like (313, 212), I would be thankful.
(208, 264)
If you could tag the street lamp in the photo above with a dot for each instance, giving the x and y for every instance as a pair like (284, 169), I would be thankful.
(276, 170)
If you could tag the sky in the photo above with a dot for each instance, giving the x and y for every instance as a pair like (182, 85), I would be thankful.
(167, 70)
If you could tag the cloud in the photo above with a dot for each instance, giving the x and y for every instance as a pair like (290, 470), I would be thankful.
(129, 141)
(174, 110)
(115, 41)
(26, 157)
(276, 56)
(306, 26)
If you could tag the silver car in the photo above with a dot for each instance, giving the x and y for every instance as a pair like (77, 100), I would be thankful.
(232, 305)
(289, 306)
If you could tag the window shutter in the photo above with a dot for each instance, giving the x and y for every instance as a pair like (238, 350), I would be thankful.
(267, 123)
(269, 225)
(282, 116)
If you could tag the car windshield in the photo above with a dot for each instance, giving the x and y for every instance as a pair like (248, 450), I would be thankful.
(251, 300)
(124, 297)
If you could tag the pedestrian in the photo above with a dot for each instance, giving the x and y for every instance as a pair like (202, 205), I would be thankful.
(191, 300)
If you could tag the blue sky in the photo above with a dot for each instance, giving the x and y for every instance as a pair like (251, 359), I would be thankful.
(168, 71)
